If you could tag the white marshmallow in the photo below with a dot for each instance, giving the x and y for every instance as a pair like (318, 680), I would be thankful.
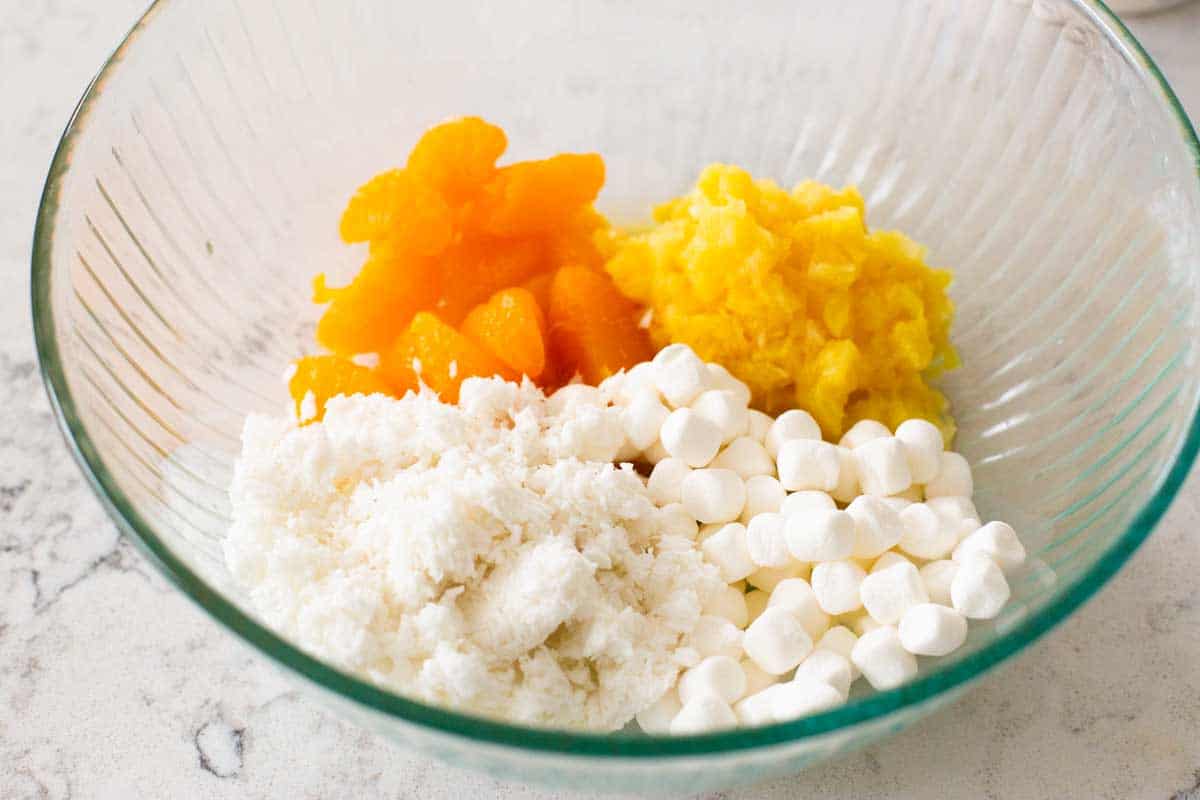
(724, 410)
(996, 540)
(670, 352)
(929, 629)
(897, 503)
(757, 708)
(758, 424)
(729, 603)
(707, 712)
(708, 530)
(820, 535)
(882, 466)
(888, 559)
(808, 464)
(836, 585)
(764, 494)
(863, 623)
(689, 436)
(756, 678)
(848, 486)
(666, 481)
(719, 675)
(862, 432)
(776, 641)
(656, 718)
(828, 667)
(746, 457)
(802, 696)
(655, 453)
(923, 447)
(685, 657)
(716, 636)
(723, 379)
(840, 639)
(766, 542)
(572, 396)
(913, 494)
(767, 578)
(674, 520)
(953, 478)
(789, 425)
(643, 417)
(756, 601)
(924, 534)
(796, 596)
(801, 502)
(639, 376)
(726, 549)
(877, 527)
(889, 593)
(937, 577)
(979, 590)
(713, 495)
(680, 376)
(882, 658)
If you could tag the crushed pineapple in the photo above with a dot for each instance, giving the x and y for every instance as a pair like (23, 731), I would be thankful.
(796, 297)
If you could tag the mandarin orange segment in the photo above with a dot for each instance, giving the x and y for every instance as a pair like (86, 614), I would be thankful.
(539, 197)
(458, 157)
(475, 269)
(367, 315)
(329, 376)
(512, 327)
(539, 287)
(593, 328)
(433, 352)
(397, 208)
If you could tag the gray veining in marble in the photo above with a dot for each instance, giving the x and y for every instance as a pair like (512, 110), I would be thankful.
(113, 686)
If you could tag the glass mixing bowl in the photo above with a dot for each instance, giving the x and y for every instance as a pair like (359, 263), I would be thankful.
(1032, 145)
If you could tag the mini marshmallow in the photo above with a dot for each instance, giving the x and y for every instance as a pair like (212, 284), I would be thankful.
(716, 636)
(953, 478)
(955, 514)
(627, 453)
(848, 486)
(757, 708)
(862, 432)
(714, 495)
(767, 578)
(764, 494)
(808, 464)
(929, 629)
(802, 696)
(801, 502)
(670, 352)
(685, 657)
(721, 378)
(758, 424)
(888, 559)
(724, 410)
(924, 534)
(897, 502)
(729, 603)
(719, 675)
(820, 535)
(656, 718)
(756, 679)
(882, 466)
(794, 424)
(889, 593)
(643, 417)
(680, 377)
(674, 520)
(708, 530)
(574, 395)
(756, 601)
(882, 658)
(689, 436)
(666, 481)
(923, 447)
(828, 667)
(765, 540)
(863, 623)
(706, 712)
(840, 639)
(836, 585)
(796, 596)
(655, 453)
(937, 577)
(746, 457)
(726, 549)
(996, 540)
(877, 527)
(776, 641)
(913, 494)
(979, 590)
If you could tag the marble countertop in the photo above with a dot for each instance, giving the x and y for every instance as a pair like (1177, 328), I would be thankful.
(114, 686)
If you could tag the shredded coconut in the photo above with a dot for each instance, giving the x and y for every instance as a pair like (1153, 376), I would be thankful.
(486, 556)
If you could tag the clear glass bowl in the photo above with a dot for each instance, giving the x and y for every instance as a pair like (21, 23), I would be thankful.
(1032, 145)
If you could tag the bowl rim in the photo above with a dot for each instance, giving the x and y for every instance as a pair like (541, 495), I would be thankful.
(459, 725)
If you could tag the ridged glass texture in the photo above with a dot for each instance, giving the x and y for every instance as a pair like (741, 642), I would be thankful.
(1032, 146)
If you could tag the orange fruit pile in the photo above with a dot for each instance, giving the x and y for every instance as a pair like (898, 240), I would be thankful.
(473, 270)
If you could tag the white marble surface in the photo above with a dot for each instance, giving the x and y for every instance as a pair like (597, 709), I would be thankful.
(113, 686)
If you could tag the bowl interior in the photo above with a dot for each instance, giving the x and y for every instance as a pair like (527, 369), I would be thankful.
(1027, 146)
